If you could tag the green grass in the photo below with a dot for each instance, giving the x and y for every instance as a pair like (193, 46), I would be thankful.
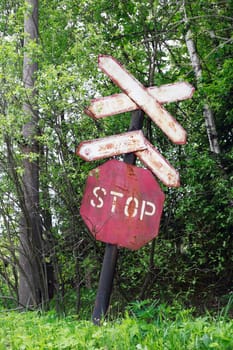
(146, 328)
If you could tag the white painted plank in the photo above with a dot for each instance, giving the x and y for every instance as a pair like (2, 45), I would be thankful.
(138, 93)
(111, 146)
(159, 165)
(119, 103)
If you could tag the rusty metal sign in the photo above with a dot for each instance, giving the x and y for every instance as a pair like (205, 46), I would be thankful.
(136, 96)
(143, 98)
(112, 145)
(133, 141)
(119, 103)
(122, 204)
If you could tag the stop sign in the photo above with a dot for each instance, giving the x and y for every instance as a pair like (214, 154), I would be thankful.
(122, 204)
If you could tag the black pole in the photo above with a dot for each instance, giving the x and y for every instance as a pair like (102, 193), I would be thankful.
(111, 250)
(105, 283)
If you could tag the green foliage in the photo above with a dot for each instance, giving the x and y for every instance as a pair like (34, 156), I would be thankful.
(192, 258)
(169, 328)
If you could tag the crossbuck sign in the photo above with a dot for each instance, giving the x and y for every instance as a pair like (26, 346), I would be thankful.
(136, 96)
(122, 203)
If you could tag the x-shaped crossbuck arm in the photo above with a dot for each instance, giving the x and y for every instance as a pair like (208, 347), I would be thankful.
(136, 96)
(132, 141)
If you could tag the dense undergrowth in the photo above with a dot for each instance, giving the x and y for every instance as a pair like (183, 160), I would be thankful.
(144, 326)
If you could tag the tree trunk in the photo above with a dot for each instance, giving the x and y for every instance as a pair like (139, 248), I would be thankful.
(196, 65)
(32, 284)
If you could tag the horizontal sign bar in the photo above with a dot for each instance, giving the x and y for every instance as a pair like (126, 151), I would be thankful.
(119, 103)
(133, 141)
(112, 145)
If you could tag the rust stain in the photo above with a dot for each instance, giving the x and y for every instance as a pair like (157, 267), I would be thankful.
(107, 146)
(156, 164)
(172, 125)
(131, 208)
(130, 170)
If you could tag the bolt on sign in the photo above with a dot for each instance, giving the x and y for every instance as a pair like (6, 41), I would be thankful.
(122, 204)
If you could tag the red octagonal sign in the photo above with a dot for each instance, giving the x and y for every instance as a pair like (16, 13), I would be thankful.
(122, 204)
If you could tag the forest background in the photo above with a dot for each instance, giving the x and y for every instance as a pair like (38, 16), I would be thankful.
(48, 76)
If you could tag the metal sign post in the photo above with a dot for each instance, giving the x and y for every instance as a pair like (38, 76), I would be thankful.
(110, 256)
